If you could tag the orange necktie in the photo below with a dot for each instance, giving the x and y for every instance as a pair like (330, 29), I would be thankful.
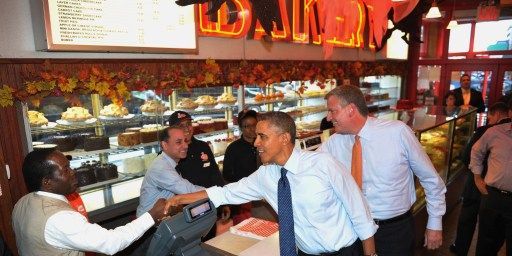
(357, 162)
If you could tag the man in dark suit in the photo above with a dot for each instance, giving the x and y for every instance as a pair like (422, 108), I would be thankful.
(498, 114)
(467, 96)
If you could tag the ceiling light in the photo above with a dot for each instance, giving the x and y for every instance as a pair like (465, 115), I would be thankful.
(433, 12)
(452, 24)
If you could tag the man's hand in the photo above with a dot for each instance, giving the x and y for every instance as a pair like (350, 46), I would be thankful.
(157, 212)
(226, 212)
(171, 204)
(433, 239)
(184, 199)
(480, 184)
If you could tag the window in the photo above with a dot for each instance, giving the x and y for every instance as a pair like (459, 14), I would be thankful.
(493, 36)
(459, 38)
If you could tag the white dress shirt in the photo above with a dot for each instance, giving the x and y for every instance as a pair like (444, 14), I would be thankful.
(329, 211)
(71, 230)
(497, 140)
(392, 155)
(162, 181)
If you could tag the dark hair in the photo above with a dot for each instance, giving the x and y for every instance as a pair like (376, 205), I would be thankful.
(498, 107)
(350, 94)
(448, 94)
(465, 74)
(281, 121)
(246, 114)
(36, 167)
(164, 134)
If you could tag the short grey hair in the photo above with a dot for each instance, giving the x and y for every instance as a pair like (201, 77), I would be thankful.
(350, 94)
(281, 121)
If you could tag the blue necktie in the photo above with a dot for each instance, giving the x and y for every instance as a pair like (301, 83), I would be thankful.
(284, 206)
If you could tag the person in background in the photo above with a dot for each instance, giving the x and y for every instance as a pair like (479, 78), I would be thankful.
(45, 224)
(498, 114)
(449, 102)
(466, 96)
(241, 160)
(320, 208)
(199, 166)
(162, 180)
(324, 124)
(495, 217)
(384, 156)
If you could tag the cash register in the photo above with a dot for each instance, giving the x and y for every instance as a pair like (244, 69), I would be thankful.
(181, 234)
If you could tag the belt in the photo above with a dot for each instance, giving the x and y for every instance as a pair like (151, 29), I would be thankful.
(400, 217)
(503, 192)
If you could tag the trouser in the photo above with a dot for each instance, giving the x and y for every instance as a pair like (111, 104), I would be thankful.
(356, 249)
(395, 238)
(495, 223)
(467, 217)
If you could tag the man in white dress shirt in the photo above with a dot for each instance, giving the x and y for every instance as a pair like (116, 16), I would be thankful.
(327, 209)
(45, 223)
(391, 157)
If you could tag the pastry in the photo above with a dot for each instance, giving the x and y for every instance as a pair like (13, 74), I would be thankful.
(76, 114)
(206, 100)
(96, 143)
(127, 139)
(44, 146)
(186, 103)
(80, 137)
(226, 98)
(206, 125)
(85, 175)
(36, 119)
(113, 110)
(220, 124)
(64, 143)
(259, 97)
(150, 133)
(152, 106)
(133, 129)
(133, 165)
(105, 171)
(148, 159)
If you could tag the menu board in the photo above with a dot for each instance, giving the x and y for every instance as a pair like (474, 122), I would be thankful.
(119, 26)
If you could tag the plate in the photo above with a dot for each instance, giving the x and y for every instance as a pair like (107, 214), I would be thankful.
(66, 122)
(46, 126)
(129, 116)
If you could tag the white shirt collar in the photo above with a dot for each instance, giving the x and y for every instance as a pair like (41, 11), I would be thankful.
(364, 133)
(292, 165)
(52, 195)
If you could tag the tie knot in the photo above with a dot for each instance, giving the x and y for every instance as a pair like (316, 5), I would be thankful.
(283, 172)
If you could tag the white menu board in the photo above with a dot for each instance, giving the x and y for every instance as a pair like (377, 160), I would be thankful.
(119, 26)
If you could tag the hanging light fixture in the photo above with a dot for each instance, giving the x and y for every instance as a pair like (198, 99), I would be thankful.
(453, 23)
(433, 12)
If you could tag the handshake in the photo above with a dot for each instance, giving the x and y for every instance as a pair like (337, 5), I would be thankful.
(172, 206)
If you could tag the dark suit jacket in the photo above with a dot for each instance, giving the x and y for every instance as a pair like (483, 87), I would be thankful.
(476, 100)
(470, 190)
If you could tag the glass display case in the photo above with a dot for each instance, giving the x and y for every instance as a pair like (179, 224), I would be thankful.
(381, 92)
(112, 147)
(443, 134)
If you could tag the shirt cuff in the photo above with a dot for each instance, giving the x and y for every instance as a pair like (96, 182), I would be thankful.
(367, 232)
(435, 223)
(146, 220)
(215, 195)
(476, 169)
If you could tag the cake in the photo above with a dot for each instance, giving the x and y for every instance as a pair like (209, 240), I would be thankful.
(96, 143)
(133, 129)
(114, 110)
(186, 103)
(206, 100)
(206, 125)
(127, 139)
(36, 119)
(148, 159)
(76, 114)
(152, 106)
(133, 165)
(64, 143)
(80, 137)
(150, 133)
(105, 171)
(220, 124)
(259, 97)
(226, 98)
(85, 175)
